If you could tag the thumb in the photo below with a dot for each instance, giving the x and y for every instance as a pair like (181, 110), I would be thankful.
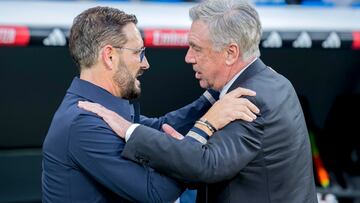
(172, 132)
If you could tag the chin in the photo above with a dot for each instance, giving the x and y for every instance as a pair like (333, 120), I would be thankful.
(132, 93)
(204, 85)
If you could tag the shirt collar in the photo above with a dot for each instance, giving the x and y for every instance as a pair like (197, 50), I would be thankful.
(228, 84)
(94, 93)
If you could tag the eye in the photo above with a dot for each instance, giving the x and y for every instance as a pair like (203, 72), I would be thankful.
(196, 48)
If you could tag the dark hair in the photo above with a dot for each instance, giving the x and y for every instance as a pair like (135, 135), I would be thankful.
(93, 29)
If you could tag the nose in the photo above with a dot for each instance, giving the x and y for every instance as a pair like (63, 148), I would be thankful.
(190, 58)
(145, 64)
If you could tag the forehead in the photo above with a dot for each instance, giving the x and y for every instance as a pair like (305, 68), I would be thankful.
(133, 35)
(199, 33)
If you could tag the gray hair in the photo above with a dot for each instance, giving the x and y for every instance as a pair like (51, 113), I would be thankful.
(93, 29)
(231, 21)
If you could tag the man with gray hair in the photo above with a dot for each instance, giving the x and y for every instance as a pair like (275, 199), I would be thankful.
(268, 160)
(82, 159)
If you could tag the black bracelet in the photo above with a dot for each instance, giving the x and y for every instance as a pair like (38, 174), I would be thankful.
(207, 124)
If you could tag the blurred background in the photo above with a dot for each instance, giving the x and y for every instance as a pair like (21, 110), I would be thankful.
(314, 43)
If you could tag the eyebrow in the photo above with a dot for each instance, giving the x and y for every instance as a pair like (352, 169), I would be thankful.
(193, 45)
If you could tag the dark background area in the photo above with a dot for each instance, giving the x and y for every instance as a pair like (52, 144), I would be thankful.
(34, 79)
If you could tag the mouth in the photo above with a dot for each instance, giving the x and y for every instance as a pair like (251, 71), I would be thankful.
(138, 75)
(197, 74)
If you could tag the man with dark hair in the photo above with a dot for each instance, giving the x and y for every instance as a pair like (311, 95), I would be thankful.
(81, 154)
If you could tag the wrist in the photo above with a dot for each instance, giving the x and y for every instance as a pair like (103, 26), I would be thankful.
(205, 124)
(209, 123)
(204, 129)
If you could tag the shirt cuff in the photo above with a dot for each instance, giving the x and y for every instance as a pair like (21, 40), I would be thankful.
(211, 95)
(198, 134)
(130, 130)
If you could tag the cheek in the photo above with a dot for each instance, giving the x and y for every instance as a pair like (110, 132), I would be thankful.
(214, 72)
(210, 70)
(133, 68)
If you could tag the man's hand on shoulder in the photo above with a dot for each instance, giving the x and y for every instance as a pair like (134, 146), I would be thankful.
(115, 121)
(168, 129)
(232, 107)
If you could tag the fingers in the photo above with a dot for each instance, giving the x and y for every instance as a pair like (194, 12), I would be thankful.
(171, 131)
(244, 116)
(238, 92)
(251, 106)
(168, 129)
(249, 114)
(94, 107)
(246, 110)
(88, 106)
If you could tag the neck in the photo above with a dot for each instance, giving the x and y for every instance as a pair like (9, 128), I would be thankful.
(237, 67)
(100, 78)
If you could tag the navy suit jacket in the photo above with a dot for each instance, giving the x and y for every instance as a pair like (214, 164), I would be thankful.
(265, 161)
(82, 156)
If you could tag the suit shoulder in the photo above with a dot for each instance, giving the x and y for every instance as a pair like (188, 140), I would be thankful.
(272, 89)
(69, 115)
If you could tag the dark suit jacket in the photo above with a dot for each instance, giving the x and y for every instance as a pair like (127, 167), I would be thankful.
(82, 156)
(268, 160)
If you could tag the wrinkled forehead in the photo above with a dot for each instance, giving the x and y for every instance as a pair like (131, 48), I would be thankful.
(199, 32)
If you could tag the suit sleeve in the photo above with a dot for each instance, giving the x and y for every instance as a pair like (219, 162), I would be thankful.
(184, 118)
(97, 150)
(221, 158)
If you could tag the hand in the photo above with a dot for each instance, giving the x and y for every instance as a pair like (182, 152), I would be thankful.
(114, 120)
(232, 107)
(172, 132)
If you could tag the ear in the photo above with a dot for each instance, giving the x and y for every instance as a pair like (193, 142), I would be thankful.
(232, 54)
(107, 57)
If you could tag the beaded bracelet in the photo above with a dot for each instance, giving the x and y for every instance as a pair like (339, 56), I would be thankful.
(206, 123)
